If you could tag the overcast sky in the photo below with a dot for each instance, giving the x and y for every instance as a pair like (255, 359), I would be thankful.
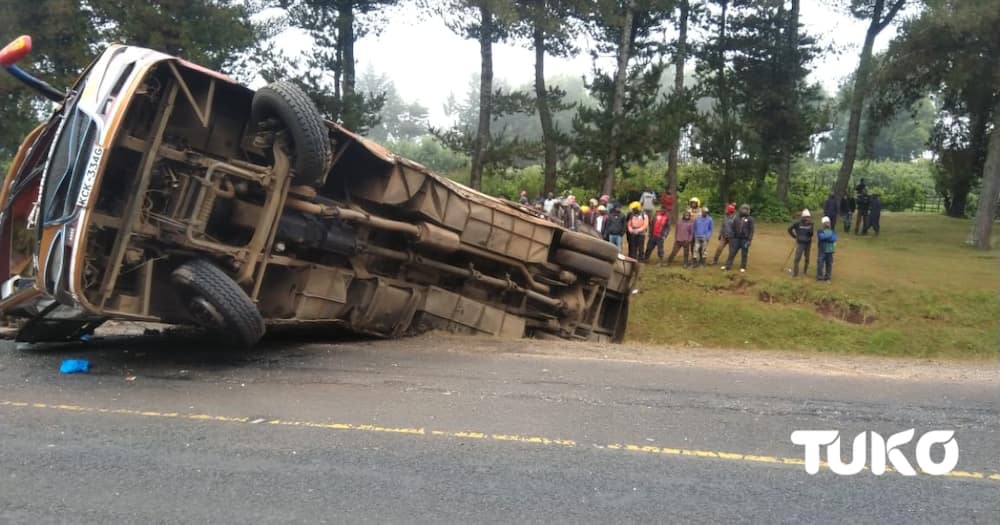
(426, 61)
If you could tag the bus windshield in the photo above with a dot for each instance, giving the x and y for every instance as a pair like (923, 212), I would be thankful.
(67, 165)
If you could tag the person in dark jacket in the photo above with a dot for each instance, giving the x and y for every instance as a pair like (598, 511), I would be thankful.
(864, 201)
(802, 232)
(830, 209)
(683, 238)
(874, 215)
(847, 207)
(614, 226)
(827, 238)
(742, 236)
(726, 231)
(659, 228)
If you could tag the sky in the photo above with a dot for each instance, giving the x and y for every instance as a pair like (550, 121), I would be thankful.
(427, 62)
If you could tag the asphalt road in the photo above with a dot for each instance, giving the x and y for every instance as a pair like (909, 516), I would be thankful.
(445, 429)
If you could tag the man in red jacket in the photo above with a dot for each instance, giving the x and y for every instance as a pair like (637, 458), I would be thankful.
(658, 231)
(667, 201)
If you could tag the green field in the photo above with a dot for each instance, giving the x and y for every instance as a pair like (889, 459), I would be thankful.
(916, 291)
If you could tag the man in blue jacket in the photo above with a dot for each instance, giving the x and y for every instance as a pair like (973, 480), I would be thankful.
(827, 237)
(703, 226)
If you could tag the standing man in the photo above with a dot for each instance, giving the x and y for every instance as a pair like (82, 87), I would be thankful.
(694, 206)
(648, 202)
(682, 238)
(638, 225)
(864, 201)
(726, 232)
(571, 213)
(830, 209)
(667, 200)
(847, 206)
(703, 227)
(550, 202)
(524, 198)
(874, 215)
(600, 220)
(742, 236)
(614, 228)
(802, 232)
(658, 231)
(827, 244)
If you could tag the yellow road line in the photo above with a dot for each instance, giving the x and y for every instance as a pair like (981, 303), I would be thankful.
(466, 434)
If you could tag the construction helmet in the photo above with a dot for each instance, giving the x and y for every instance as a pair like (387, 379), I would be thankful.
(585, 209)
(697, 201)
(634, 205)
(805, 213)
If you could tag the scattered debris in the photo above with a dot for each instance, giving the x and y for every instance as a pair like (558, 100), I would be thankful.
(75, 366)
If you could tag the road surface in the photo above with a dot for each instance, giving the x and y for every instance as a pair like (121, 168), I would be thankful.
(448, 429)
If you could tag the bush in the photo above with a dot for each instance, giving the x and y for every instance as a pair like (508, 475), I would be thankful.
(901, 184)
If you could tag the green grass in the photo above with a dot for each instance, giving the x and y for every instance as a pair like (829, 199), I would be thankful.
(914, 291)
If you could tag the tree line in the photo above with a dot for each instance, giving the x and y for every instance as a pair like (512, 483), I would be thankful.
(720, 82)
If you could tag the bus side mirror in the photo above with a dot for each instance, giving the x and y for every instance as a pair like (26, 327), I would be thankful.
(15, 51)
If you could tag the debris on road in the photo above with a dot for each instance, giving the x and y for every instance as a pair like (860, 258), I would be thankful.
(75, 366)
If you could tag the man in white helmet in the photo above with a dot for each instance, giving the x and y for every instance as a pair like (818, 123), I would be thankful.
(802, 231)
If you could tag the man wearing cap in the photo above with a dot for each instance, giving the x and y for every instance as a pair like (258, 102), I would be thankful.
(694, 206)
(638, 225)
(827, 238)
(742, 237)
(726, 231)
(600, 220)
(658, 231)
(802, 232)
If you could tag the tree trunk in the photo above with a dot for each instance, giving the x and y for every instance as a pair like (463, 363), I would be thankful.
(959, 192)
(784, 178)
(791, 47)
(982, 225)
(544, 112)
(618, 101)
(724, 109)
(877, 24)
(482, 141)
(345, 36)
(679, 59)
(350, 113)
(724, 182)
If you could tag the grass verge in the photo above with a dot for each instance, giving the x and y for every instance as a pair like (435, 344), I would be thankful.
(914, 291)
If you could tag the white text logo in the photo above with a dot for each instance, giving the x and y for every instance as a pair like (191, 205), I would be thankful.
(883, 451)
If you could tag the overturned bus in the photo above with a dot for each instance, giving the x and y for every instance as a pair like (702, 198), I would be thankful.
(161, 191)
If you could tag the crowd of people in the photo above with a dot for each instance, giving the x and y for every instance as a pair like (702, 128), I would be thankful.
(643, 226)
(864, 208)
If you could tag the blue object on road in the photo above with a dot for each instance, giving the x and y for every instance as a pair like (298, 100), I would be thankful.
(75, 366)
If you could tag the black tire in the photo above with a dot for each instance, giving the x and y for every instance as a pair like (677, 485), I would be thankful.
(217, 303)
(311, 150)
(588, 245)
(581, 263)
